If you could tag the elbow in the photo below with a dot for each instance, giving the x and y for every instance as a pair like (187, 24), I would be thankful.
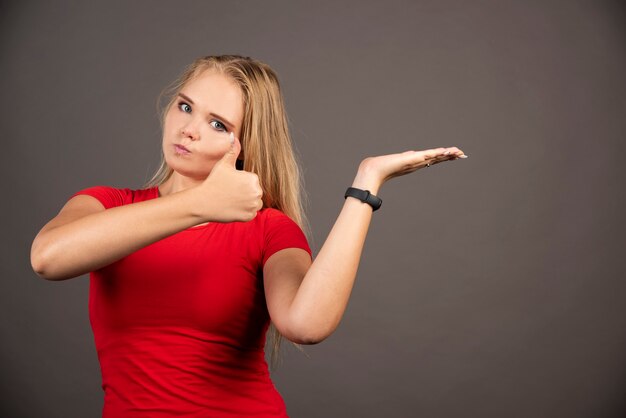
(308, 333)
(51, 261)
(38, 264)
(306, 339)
(312, 340)
(36, 259)
(39, 261)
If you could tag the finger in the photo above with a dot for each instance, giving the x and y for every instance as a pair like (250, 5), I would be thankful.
(423, 159)
(433, 153)
(418, 156)
(230, 157)
(451, 153)
(448, 157)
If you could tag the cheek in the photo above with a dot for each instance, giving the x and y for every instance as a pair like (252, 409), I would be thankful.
(215, 150)
(215, 140)
(168, 125)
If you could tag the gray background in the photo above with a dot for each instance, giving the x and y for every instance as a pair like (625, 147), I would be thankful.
(489, 287)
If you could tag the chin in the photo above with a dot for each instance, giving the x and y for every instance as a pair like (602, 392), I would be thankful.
(185, 170)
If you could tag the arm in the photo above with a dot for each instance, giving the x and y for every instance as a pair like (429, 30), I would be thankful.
(306, 301)
(84, 237)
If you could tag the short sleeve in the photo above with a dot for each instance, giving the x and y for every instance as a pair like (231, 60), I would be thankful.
(109, 196)
(282, 232)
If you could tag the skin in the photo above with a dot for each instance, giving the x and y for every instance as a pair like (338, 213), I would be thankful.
(189, 122)
(306, 299)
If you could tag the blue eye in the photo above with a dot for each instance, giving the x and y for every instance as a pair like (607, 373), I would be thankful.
(184, 107)
(220, 126)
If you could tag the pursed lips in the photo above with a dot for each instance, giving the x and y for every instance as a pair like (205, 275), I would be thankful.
(182, 147)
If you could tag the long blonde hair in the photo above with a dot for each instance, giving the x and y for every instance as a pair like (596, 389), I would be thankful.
(265, 140)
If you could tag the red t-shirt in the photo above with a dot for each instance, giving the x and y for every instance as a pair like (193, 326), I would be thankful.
(180, 324)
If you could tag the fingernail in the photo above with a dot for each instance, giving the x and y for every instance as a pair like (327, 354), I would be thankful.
(463, 156)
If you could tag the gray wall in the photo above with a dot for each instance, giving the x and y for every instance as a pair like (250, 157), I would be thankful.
(489, 287)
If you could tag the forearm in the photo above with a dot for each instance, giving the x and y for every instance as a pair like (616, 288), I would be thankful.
(323, 295)
(102, 238)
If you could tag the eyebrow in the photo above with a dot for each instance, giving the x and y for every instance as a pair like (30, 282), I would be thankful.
(211, 113)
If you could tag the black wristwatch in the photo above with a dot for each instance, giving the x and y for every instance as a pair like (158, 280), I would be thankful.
(364, 196)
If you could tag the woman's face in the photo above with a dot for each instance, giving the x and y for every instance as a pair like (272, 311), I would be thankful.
(207, 109)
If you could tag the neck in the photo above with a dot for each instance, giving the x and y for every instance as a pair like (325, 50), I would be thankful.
(177, 183)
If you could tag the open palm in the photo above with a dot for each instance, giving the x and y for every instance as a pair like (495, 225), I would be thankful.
(385, 167)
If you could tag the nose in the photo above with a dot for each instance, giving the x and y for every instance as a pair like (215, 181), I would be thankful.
(190, 131)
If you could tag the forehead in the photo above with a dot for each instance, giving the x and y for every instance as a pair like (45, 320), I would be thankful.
(215, 92)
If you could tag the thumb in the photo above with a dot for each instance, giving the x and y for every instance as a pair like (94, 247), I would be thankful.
(233, 152)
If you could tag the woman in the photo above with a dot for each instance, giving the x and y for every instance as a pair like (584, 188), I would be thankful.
(187, 272)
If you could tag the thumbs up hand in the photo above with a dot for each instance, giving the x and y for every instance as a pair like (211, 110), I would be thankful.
(228, 194)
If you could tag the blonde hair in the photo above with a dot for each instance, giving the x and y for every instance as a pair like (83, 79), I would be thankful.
(265, 140)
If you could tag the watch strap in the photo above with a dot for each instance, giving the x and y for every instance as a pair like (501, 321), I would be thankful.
(364, 196)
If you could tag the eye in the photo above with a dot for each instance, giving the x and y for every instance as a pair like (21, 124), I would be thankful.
(218, 125)
(184, 107)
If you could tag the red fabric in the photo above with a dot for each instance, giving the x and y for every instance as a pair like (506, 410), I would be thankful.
(180, 325)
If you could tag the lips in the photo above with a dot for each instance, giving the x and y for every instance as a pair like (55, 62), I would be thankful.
(180, 148)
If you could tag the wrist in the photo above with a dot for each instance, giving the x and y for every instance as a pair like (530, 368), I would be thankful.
(364, 196)
(199, 207)
(366, 180)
